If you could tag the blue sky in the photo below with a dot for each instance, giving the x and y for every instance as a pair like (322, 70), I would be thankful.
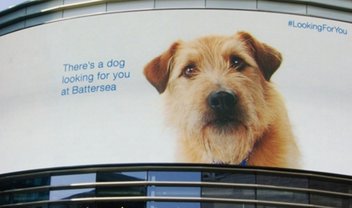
(4, 4)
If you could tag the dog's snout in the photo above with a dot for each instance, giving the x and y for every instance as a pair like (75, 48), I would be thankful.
(222, 101)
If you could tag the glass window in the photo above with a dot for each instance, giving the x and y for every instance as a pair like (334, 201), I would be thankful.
(280, 180)
(73, 205)
(30, 196)
(121, 176)
(319, 199)
(226, 205)
(228, 177)
(329, 185)
(5, 199)
(121, 191)
(37, 206)
(24, 183)
(120, 204)
(173, 191)
(282, 196)
(231, 193)
(174, 176)
(71, 193)
(61, 180)
(173, 204)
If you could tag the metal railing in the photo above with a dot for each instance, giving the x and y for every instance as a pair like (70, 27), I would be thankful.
(335, 180)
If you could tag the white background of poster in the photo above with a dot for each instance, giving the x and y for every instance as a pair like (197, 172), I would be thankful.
(39, 128)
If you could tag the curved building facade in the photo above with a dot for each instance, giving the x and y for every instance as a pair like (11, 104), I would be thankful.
(173, 185)
(187, 104)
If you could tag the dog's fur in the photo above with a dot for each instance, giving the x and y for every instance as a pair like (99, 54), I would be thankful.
(247, 120)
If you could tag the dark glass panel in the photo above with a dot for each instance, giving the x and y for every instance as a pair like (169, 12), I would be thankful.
(24, 183)
(20, 197)
(332, 201)
(226, 205)
(121, 204)
(121, 176)
(37, 206)
(231, 193)
(280, 180)
(121, 191)
(5, 199)
(282, 196)
(173, 205)
(73, 205)
(326, 185)
(228, 177)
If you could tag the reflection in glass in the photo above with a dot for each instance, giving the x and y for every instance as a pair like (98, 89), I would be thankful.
(134, 190)
(173, 191)
(174, 176)
(61, 180)
(72, 193)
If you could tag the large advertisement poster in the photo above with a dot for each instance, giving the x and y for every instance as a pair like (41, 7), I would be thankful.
(195, 86)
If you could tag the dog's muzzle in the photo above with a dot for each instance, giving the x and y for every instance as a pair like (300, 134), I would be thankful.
(223, 104)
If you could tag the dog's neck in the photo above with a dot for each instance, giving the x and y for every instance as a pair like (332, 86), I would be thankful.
(243, 163)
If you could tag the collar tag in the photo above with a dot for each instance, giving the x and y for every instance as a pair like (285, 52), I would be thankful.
(243, 163)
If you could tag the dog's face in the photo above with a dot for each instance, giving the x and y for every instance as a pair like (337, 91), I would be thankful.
(216, 91)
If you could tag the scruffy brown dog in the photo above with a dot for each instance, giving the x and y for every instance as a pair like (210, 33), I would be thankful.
(219, 96)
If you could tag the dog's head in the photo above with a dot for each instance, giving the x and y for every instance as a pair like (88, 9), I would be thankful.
(216, 86)
(266, 58)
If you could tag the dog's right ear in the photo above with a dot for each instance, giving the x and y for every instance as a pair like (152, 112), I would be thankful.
(157, 71)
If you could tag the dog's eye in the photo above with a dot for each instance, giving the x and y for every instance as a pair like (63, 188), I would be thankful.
(189, 71)
(237, 63)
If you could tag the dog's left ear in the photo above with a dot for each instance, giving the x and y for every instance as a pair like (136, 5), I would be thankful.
(157, 71)
(267, 58)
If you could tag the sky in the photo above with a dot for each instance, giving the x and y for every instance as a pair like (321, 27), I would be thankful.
(4, 4)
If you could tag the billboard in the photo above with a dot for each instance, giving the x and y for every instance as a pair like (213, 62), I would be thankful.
(203, 86)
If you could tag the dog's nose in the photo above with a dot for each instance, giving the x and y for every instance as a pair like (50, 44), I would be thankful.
(222, 102)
